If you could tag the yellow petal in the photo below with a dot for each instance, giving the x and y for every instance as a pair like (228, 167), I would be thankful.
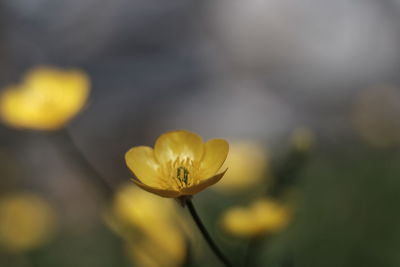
(215, 153)
(144, 166)
(202, 185)
(158, 191)
(183, 144)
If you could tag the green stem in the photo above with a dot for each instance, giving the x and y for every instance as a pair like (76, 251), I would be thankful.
(205, 234)
(253, 250)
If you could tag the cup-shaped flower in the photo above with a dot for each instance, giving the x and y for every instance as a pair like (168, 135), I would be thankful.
(262, 217)
(180, 164)
(46, 99)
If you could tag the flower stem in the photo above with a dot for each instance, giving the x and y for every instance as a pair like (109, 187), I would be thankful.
(73, 151)
(205, 233)
(253, 250)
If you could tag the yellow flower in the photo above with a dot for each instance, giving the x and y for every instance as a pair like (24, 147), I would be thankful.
(261, 217)
(147, 252)
(140, 209)
(26, 221)
(180, 164)
(302, 139)
(46, 99)
(151, 227)
(248, 164)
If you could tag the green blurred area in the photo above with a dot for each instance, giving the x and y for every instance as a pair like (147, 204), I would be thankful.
(345, 198)
(346, 215)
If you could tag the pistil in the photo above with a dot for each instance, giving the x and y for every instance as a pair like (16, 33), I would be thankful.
(181, 171)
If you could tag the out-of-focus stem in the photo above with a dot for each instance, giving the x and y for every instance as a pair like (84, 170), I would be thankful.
(253, 250)
(73, 151)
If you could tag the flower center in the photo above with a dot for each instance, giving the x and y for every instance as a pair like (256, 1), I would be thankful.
(181, 172)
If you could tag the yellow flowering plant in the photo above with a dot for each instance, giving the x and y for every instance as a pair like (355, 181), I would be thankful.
(46, 99)
(27, 221)
(263, 216)
(256, 222)
(179, 165)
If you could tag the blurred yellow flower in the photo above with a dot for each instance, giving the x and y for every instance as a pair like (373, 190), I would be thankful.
(261, 217)
(46, 99)
(302, 139)
(180, 164)
(165, 251)
(26, 222)
(248, 164)
(151, 227)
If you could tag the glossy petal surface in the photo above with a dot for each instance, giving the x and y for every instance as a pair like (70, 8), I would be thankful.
(216, 151)
(183, 144)
(156, 190)
(142, 163)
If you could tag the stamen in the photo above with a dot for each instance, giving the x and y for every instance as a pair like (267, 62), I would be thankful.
(181, 171)
(185, 174)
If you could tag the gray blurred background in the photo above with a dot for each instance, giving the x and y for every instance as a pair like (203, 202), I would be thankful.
(254, 69)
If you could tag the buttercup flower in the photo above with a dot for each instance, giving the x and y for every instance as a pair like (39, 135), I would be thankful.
(26, 221)
(46, 99)
(179, 165)
(261, 217)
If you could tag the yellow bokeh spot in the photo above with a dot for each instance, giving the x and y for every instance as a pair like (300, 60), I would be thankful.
(247, 164)
(26, 222)
(46, 99)
(302, 139)
(150, 225)
(261, 217)
(164, 249)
